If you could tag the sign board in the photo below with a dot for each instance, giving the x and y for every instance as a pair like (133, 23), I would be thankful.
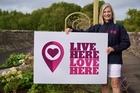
(76, 58)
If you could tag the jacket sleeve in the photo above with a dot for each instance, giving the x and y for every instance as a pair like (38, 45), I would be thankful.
(93, 28)
(124, 40)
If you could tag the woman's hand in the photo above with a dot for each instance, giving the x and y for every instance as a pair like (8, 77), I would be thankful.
(68, 30)
(109, 50)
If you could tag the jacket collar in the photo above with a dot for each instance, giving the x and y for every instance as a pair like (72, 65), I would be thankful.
(109, 22)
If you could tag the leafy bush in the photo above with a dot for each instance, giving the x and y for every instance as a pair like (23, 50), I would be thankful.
(65, 88)
(13, 60)
(10, 79)
(27, 80)
(10, 83)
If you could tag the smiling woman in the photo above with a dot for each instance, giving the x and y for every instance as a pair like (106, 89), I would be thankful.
(118, 40)
(107, 14)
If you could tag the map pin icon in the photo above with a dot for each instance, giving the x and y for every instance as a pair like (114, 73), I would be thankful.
(52, 63)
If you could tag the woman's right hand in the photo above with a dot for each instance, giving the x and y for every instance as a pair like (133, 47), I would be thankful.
(68, 30)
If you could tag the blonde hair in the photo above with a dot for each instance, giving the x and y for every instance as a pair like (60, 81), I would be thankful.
(104, 6)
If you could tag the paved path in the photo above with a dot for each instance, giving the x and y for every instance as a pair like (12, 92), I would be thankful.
(130, 69)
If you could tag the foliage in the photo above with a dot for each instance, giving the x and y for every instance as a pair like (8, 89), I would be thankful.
(64, 88)
(16, 78)
(10, 82)
(27, 80)
(13, 60)
(120, 22)
(27, 71)
(133, 20)
(27, 62)
(11, 79)
(20, 77)
(48, 19)
(52, 18)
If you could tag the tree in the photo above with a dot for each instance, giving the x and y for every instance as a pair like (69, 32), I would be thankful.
(120, 21)
(133, 20)
(24, 22)
(54, 16)
(4, 20)
(0, 12)
(34, 19)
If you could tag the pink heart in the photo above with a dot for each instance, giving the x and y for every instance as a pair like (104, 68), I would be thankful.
(52, 52)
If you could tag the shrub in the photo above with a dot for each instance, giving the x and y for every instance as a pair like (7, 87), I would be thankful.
(13, 60)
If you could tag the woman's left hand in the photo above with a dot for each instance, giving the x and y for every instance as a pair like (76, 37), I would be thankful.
(109, 50)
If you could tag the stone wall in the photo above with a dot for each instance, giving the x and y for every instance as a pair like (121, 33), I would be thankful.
(135, 43)
(11, 40)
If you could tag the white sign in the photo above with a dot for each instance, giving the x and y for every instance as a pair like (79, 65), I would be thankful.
(76, 58)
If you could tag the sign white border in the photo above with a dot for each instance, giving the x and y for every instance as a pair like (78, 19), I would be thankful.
(61, 75)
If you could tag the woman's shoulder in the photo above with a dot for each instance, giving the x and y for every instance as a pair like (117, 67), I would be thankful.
(120, 27)
(97, 25)
(93, 28)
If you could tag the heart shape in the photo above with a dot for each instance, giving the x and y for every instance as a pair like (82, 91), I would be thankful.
(52, 52)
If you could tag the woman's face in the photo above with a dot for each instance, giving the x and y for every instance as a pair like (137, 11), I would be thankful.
(107, 14)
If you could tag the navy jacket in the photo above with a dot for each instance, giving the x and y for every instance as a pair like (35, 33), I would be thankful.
(118, 38)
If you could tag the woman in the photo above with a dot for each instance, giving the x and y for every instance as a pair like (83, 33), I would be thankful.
(118, 40)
